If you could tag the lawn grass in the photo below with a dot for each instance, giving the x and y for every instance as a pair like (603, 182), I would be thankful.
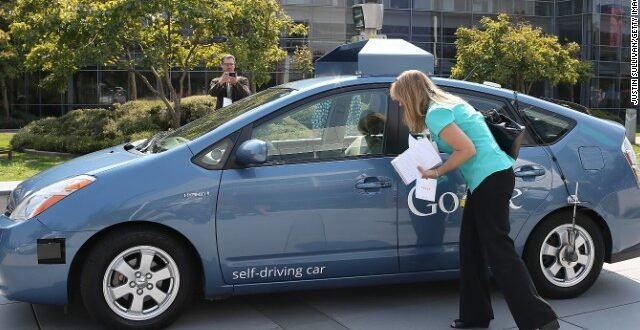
(23, 166)
(4, 140)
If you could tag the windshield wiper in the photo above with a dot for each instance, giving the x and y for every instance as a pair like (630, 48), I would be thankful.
(150, 143)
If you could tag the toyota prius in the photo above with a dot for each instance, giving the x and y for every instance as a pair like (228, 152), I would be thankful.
(293, 188)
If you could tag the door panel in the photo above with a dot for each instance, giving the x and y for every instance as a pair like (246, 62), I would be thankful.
(324, 204)
(307, 215)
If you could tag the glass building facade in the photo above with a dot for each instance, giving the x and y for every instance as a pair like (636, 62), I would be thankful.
(600, 27)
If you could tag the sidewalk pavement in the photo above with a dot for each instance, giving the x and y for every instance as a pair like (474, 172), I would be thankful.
(5, 189)
(612, 303)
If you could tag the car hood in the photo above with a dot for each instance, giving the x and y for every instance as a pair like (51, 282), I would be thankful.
(87, 164)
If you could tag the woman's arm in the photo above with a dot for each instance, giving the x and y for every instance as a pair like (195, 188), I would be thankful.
(463, 149)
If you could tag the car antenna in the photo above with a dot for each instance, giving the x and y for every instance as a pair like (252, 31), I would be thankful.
(570, 253)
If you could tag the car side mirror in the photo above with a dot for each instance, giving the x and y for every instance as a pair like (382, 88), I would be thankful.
(253, 151)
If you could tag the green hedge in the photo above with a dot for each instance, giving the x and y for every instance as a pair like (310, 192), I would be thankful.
(606, 114)
(18, 119)
(85, 130)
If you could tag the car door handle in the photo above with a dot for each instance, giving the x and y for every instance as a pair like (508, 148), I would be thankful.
(529, 170)
(373, 182)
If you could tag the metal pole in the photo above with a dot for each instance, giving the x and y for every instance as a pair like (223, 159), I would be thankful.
(630, 124)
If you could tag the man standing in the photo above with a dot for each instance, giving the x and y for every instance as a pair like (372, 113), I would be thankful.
(229, 87)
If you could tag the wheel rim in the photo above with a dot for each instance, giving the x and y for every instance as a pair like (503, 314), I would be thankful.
(558, 270)
(141, 283)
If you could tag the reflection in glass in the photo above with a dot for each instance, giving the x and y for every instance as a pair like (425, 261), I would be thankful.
(428, 4)
(396, 24)
(570, 29)
(607, 94)
(397, 4)
(423, 27)
(450, 23)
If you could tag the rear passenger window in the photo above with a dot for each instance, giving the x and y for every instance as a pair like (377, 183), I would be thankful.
(548, 125)
(484, 103)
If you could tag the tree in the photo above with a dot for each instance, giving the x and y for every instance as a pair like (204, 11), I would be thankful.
(516, 55)
(9, 61)
(254, 32)
(166, 37)
(303, 60)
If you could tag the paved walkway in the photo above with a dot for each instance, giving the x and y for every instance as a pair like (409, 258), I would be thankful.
(612, 303)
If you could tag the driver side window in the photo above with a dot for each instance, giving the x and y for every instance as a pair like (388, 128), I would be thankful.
(338, 126)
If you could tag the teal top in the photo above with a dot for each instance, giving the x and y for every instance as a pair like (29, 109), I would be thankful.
(489, 158)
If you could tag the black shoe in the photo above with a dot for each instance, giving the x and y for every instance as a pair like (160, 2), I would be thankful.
(459, 324)
(553, 325)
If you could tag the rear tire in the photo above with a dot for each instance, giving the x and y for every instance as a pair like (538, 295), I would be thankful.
(137, 279)
(553, 275)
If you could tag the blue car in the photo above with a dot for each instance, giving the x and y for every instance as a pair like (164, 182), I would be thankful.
(292, 188)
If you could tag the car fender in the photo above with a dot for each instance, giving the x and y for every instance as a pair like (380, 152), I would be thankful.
(183, 199)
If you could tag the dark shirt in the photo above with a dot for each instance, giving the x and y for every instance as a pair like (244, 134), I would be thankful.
(238, 91)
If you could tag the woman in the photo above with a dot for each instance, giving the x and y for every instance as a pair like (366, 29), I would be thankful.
(460, 130)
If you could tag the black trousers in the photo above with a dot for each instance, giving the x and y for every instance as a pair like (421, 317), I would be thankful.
(485, 241)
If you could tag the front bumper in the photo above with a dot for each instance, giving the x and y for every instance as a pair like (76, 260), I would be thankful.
(22, 277)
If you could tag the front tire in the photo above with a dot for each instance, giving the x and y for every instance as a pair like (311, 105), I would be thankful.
(554, 275)
(137, 279)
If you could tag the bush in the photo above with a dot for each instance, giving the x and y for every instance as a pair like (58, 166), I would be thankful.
(194, 107)
(85, 130)
(141, 115)
(17, 120)
(606, 114)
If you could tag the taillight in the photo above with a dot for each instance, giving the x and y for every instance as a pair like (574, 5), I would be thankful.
(632, 159)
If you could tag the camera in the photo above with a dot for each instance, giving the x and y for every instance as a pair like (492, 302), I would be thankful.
(232, 74)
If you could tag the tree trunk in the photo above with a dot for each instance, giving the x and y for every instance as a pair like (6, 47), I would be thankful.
(175, 111)
(5, 97)
(159, 92)
(252, 82)
(528, 88)
(133, 88)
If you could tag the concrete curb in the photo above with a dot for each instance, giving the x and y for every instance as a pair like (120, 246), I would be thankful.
(5, 189)
(7, 186)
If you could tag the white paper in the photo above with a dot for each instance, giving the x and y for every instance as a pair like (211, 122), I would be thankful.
(226, 101)
(420, 152)
(426, 189)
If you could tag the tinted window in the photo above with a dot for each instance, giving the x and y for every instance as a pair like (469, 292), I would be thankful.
(550, 126)
(485, 103)
(338, 126)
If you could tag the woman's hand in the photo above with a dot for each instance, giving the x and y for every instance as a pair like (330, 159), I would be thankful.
(428, 174)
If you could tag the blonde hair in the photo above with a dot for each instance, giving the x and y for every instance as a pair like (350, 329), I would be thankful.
(415, 91)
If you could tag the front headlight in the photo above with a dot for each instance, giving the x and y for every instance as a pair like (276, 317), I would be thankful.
(48, 196)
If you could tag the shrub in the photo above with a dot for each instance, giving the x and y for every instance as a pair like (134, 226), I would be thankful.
(18, 119)
(606, 114)
(141, 115)
(86, 130)
(194, 107)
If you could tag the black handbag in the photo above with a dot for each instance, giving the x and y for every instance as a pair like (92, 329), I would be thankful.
(508, 133)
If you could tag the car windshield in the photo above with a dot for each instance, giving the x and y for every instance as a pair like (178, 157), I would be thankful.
(214, 119)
